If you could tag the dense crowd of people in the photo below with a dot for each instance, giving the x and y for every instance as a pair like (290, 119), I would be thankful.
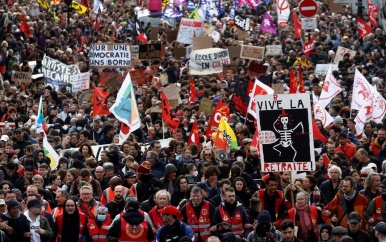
(145, 190)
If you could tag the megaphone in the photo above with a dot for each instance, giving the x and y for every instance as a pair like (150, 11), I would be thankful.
(222, 155)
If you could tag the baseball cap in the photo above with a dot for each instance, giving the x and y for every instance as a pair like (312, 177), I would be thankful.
(203, 186)
(354, 217)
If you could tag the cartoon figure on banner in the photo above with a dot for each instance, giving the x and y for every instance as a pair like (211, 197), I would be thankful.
(281, 126)
(102, 102)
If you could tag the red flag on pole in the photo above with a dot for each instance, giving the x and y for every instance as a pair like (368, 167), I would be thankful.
(373, 13)
(100, 107)
(194, 137)
(193, 93)
(363, 28)
(24, 27)
(166, 114)
(221, 110)
(302, 89)
(317, 134)
(293, 82)
(297, 25)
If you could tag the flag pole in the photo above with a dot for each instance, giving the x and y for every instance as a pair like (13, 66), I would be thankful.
(163, 131)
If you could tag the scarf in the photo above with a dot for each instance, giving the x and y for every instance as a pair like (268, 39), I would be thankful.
(349, 198)
(305, 221)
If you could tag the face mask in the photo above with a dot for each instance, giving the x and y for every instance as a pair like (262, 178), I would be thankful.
(195, 173)
(101, 217)
(239, 158)
(16, 161)
(29, 104)
(79, 128)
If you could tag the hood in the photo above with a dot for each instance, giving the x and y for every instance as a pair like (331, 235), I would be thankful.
(169, 168)
(230, 236)
(35, 154)
(9, 216)
(133, 217)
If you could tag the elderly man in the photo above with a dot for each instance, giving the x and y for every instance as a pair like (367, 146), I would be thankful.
(162, 199)
(330, 187)
(86, 203)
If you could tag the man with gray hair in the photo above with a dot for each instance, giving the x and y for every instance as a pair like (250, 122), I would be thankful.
(197, 214)
(162, 198)
(61, 196)
(157, 166)
(330, 187)
(86, 203)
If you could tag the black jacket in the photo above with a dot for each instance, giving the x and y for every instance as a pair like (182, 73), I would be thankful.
(328, 191)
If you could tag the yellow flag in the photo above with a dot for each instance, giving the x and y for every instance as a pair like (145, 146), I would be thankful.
(79, 8)
(44, 4)
(194, 14)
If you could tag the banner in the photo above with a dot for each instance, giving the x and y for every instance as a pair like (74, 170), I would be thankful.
(188, 29)
(273, 50)
(283, 12)
(208, 61)
(362, 91)
(22, 77)
(79, 8)
(99, 104)
(56, 70)
(221, 110)
(285, 128)
(242, 22)
(308, 47)
(252, 52)
(363, 28)
(82, 82)
(56, 85)
(110, 55)
(150, 51)
(225, 138)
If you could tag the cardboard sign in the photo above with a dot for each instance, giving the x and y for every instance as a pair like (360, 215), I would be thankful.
(278, 88)
(22, 77)
(173, 93)
(230, 67)
(179, 52)
(154, 33)
(341, 52)
(321, 69)
(137, 76)
(335, 7)
(252, 52)
(242, 34)
(208, 29)
(202, 42)
(273, 50)
(208, 61)
(242, 22)
(82, 82)
(105, 76)
(234, 51)
(110, 55)
(206, 106)
(255, 69)
(171, 35)
(150, 51)
(285, 127)
(189, 28)
(114, 84)
(87, 95)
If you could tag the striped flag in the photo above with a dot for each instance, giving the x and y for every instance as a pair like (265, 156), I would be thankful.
(50, 153)
(41, 125)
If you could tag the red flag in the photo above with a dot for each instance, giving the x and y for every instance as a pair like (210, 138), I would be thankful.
(297, 25)
(193, 93)
(363, 28)
(143, 38)
(166, 114)
(308, 47)
(302, 89)
(24, 27)
(194, 137)
(255, 141)
(221, 110)
(100, 107)
(293, 82)
(373, 13)
(317, 134)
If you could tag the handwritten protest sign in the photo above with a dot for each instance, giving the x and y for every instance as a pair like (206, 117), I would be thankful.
(105, 76)
(208, 61)
(173, 94)
(22, 77)
(86, 95)
(114, 84)
(252, 52)
(150, 51)
(242, 22)
(58, 71)
(341, 52)
(202, 42)
(82, 82)
(188, 29)
(256, 68)
(273, 50)
(206, 106)
(137, 76)
(112, 55)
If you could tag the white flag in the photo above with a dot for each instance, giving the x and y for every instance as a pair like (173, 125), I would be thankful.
(379, 106)
(259, 88)
(363, 116)
(321, 113)
(362, 93)
(330, 89)
(283, 12)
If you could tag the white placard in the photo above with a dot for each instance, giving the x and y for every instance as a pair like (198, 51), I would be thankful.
(189, 28)
(208, 61)
(309, 23)
(321, 69)
(341, 52)
(82, 82)
(110, 55)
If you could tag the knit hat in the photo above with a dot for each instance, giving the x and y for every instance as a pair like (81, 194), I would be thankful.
(338, 120)
(169, 168)
(17, 192)
(144, 168)
(264, 216)
(11, 204)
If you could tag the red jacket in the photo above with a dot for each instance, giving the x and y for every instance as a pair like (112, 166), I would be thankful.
(156, 218)
(349, 150)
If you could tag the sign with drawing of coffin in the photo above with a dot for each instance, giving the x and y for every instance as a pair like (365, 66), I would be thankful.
(112, 55)
(341, 52)
(56, 70)
(188, 29)
(137, 76)
(208, 61)
(273, 50)
(22, 77)
(252, 52)
(82, 82)
(285, 129)
(150, 51)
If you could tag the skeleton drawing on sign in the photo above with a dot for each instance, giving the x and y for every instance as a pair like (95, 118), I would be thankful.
(281, 126)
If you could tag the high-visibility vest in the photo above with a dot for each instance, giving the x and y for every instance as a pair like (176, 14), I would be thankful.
(199, 225)
(108, 195)
(377, 216)
(98, 234)
(56, 212)
(236, 221)
(82, 225)
(279, 201)
(130, 233)
(313, 217)
(156, 218)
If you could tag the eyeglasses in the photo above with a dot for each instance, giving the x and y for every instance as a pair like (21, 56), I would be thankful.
(208, 154)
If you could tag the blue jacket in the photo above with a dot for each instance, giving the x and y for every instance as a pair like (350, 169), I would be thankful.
(167, 232)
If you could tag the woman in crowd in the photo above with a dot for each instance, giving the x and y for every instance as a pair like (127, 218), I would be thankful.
(180, 192)
(71, 176)
(86, 151)
(242, 191)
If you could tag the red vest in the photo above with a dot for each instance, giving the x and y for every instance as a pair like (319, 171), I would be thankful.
(133, 233)
(377, 216)
(56, 212)
(236, 221)
(108, 195)
(156, 218)
(98, 234)
(261, 194)
(82, 225)
(313, 217)
(202, 225)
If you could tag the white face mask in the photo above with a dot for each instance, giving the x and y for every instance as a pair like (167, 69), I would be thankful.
(195, 173)
(239, 158)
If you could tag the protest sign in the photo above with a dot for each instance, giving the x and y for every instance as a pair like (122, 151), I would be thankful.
(189, 28)
(114, 84)
(206, 106)
(341, 52)
(255, 68)
(82, 82)
(252, 52)
(241, 34)
(202, 42)
(208, 29)
(234, 51)
(56, 70)
(179, 52)
(22, 77)
(189, 50)
(154, 33)
(105, 76)
(273, 50)
(285, 128)
(137, 76)
(321, 69)
(110, 55)
(208, 61)
(150, 51)
(173, 94)
(241, 22)
(87, 95)
(171, 35)
(56, 85)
